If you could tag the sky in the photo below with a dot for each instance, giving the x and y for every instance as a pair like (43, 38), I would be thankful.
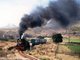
(11, 11)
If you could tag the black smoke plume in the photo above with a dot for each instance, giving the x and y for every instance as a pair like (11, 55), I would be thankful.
(63, 11)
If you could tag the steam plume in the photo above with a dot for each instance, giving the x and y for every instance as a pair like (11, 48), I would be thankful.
(64, 12)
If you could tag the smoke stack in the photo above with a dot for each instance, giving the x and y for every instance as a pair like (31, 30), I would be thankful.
(65, 12)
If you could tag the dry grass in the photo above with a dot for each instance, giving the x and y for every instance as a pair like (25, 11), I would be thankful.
(47, 52)
(43, 52)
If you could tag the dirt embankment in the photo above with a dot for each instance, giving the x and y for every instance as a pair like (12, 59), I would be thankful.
(44, 51)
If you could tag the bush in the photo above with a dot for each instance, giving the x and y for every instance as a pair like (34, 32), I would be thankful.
(3, 39)
(44, 58)
(57, 38)
(41, 37)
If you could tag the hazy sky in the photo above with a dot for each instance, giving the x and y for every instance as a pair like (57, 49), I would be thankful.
(11, 11)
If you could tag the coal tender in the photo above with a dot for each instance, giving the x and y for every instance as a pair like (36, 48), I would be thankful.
(38, 40)
(57, 38)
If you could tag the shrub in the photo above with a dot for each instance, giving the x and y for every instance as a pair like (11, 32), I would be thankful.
(57, 38)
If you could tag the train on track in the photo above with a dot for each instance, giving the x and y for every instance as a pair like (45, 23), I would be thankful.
(24, 44)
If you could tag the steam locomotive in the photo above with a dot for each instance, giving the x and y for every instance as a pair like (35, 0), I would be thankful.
(23, 44)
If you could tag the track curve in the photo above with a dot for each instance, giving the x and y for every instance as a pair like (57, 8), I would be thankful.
(27, 56)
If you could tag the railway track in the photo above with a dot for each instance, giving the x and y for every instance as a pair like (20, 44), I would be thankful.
(24, 55)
